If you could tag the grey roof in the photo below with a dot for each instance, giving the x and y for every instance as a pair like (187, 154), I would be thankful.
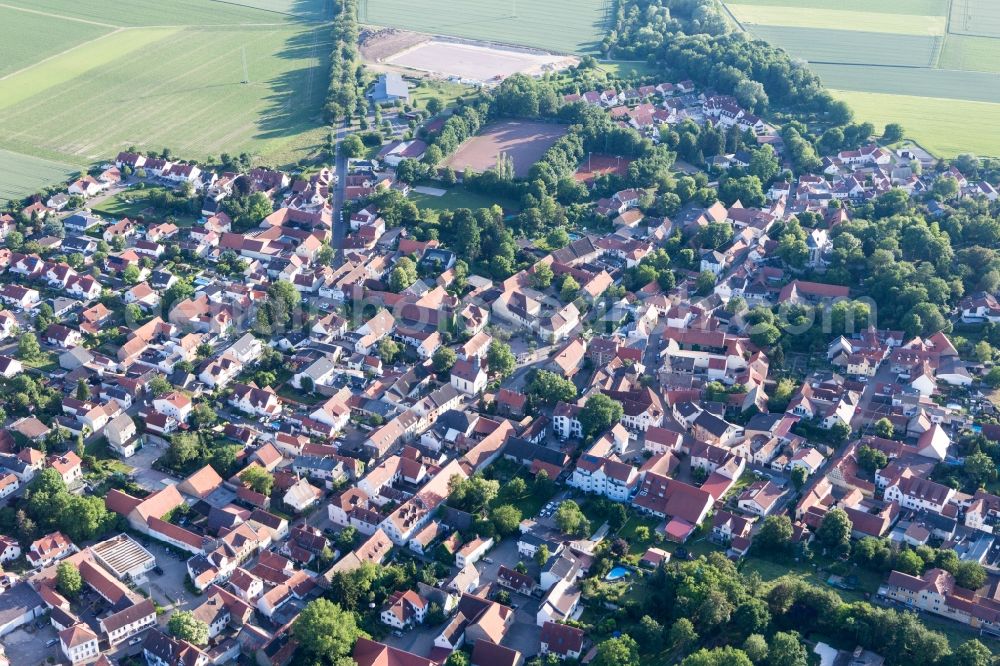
(17, 601)
(390, 86)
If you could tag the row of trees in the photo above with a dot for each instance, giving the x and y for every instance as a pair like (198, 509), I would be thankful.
(344, 66)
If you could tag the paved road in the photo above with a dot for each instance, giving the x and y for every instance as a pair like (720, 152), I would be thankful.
(339, 229)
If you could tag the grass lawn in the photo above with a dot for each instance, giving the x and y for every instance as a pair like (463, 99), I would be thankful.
(169, 12)
(460, 197)
(571, 26)
(45, 363)
(769, 570)
(530, 502)
(945, 127)
(132, 203)
(447, 91)
(838, 19)
(625, 70)
(638, 546)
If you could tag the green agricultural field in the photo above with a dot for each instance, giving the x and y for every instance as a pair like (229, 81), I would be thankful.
(23, 174)
(946, 127)
(850, 47)
(837, 19)
(965, 52)
(975, 17)
(161, 73)
(914, 7)
(572, 26)
(138, 13)
(969, 86)
(19, 33)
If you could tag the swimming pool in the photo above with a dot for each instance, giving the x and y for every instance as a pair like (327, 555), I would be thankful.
(617, 573)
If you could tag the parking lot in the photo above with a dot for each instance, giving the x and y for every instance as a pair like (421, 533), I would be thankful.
(168, 590)
(30, 649)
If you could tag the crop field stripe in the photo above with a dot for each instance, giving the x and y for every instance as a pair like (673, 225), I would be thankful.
(939, 83)
(145, 13)
(851, 47)
(61, 17)
(836, 19)
(946, 127)
(70, 65)
(899, 7)
(975, 17)
(21, 46)
(190, 85)
(20, 174)
(971, 53)
(559, 25)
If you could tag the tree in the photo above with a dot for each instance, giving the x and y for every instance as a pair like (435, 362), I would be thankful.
(403, 275)
(884, 428)
(972, 653)
(599, 413)
(983, 351)
(756, 648)
(892, 133)
(839, 432)
(203, 416)
(872, 459)
(542, 276)
(569, 290)
(258, 479)
(475, 493)
(457, 658)
(704, 283)
(434, 105)
(682, 634)
(326, 632)
(82, 390)
(542, 555)
(388, 350)
(752, 616)
(835, 531)
(620, 651)
(787, 650)
(549, 388)
(506, 518)
(184, 625)
(68, 580)
(352, 146)
(443, 359)
(131, 274)
(500, 359)
(184, 450)
(909, 562)
(570, 519)
(159, 385)
(28, 348)
(724, 656)
(799, 476)
(979, 468)
(775, 534)
(970, 574)
(650, 633)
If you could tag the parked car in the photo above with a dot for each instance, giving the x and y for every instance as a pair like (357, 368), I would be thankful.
(51, 642)
(135, 641)
(158, 570)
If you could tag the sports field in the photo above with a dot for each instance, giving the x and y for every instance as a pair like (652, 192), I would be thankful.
(570, 26)
(883, 54)
(523, 142)
(160, 73)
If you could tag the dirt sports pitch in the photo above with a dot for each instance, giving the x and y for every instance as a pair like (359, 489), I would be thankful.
(476, 63)
(523, 142)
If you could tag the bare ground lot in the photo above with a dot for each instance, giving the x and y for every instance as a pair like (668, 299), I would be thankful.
(476, 63)
(524, 142)
(413, 52)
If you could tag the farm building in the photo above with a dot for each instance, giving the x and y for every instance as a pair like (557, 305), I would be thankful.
(390, 88)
